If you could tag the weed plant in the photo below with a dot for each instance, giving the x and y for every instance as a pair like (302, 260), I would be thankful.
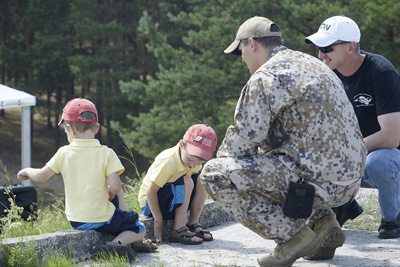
(132, 186)
(111, 260)
(49, 219)
(20, 256)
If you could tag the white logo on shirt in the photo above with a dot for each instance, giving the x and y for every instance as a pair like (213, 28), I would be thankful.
(363, 100)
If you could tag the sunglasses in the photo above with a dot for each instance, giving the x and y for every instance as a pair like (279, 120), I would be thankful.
(328, 49)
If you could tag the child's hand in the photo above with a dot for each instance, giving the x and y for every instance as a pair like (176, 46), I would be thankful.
(158, 230)
(110, 196)
(22, 175)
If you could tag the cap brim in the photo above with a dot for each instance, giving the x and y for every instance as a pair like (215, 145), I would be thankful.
(320, 39)
(61, 121)
(199, 152)
(233, 48)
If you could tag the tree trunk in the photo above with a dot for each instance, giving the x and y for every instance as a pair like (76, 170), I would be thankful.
(48, 102)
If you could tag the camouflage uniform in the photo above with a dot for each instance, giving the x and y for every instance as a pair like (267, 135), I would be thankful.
(293, 119)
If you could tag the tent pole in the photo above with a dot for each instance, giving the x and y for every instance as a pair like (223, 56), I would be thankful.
(26, 140)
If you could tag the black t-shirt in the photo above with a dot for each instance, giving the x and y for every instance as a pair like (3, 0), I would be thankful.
(373, 90)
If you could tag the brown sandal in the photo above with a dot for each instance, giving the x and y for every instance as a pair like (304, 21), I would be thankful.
(183, 236)
(200, 233)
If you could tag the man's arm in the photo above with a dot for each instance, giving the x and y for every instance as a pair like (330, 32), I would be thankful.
(253, 117)
(388, 136)
(37, 175)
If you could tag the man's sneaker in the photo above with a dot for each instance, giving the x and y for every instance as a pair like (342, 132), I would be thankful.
(350, 210)
(388, 230)
(331, 234)
(301, 244)
(115, 249)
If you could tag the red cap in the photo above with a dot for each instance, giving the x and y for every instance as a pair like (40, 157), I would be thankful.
(74, 108)
(201, 141)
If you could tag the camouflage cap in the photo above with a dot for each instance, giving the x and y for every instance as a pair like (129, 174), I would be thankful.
(252, 28)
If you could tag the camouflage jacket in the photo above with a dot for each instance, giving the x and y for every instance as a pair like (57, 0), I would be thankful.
(295, 108)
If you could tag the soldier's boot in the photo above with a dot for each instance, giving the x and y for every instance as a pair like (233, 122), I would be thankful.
(331, 234)
(301, 244)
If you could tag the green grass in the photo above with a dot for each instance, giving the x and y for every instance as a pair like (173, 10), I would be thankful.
(110, 260)
(131, 188)
(49, 219)
(19, 256)
(370, 219)
(26, 256)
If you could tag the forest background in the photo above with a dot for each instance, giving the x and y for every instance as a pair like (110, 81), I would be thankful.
(155, 67)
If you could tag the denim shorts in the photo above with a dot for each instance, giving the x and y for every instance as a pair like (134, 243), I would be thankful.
(119, 222)
(170, 197)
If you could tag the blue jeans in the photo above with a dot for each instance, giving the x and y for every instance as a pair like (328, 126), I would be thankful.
(382, 171)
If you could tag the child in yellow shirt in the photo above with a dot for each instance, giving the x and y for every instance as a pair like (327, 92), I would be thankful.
(171, 186)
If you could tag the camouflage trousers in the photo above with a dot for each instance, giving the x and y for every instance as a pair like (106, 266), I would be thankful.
(254, 195)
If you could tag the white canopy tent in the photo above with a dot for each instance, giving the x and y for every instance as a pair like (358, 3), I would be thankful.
(12, 98)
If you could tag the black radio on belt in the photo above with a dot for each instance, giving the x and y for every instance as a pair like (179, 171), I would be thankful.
(25, 196)
(299, 200)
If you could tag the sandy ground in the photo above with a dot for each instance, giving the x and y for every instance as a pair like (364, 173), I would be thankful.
(234, 245)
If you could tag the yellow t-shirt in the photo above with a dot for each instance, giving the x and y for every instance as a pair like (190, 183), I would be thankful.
(166, 168)
(85, 165)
